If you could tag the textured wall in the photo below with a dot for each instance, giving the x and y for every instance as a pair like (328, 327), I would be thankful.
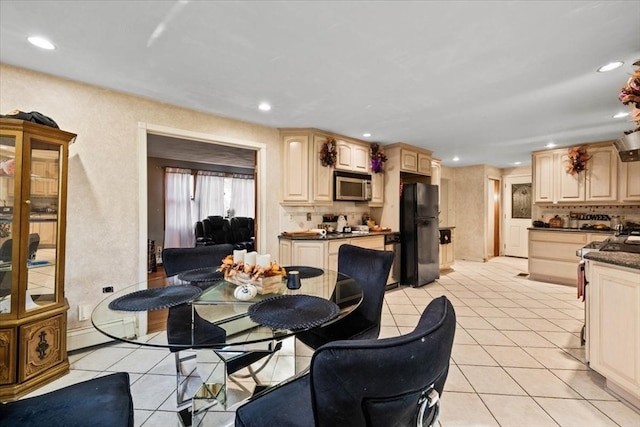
(103, 206)
(470, 207)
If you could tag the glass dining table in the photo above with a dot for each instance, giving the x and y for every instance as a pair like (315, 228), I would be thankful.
(256, 324)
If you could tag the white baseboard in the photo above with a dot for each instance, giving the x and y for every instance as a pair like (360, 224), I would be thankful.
(90, 336)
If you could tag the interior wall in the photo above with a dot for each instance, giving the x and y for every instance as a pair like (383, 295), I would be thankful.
(470, 208)
(103, 223)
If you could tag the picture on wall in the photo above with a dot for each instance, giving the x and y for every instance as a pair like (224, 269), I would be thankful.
(521, 201)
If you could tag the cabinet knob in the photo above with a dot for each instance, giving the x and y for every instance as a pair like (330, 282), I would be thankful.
(27, 202)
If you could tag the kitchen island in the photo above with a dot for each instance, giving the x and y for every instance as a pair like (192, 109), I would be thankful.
(552, 252)
(322, 251)
(613, 320)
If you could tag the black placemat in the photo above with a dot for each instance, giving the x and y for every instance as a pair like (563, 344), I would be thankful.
(208, 274)
(293, 311)
(305, 272)
(155, 298)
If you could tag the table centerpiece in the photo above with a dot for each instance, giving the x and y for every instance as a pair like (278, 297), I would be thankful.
(250, 268)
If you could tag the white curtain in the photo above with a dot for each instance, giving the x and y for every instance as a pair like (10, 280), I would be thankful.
(243, 196)
(178, 223)
(209, 198)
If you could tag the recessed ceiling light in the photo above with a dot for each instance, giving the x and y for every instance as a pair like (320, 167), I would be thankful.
(610, 66)
(550, 145)
(517, 163)
(264, 106)
(456, 159)
(366, 135)
(41, 42)
(621, 115)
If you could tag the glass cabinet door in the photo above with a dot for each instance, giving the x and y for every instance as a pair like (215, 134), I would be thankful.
(7, 189)
(44, 182)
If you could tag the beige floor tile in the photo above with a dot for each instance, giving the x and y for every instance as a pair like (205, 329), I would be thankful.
(473, 322)
(465, 311)
(490, 379)
(140, 416)
(504, 303)
(388, 331)
(456, 381)
(550, 313)
(562, 339)
(387, 319)
(569, 325)
(142, 361)
(517, 411)
(490, 337)
(410, 320)
(476, 302)
(541, 382)
(464, 410)
(555, 358)
(506, 324)
(102, 358)
(589, 384)
(574, 413)
(618, 412)
(490, 312)
(512, 357)
(150, 391)
(528, 339)
(403, 309)
(469, 354)
(520, 313)
(463, 337)
(541, 325)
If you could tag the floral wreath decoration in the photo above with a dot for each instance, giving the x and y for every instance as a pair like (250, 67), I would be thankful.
(377, 158)
(577, 160)
(329, 153)
(630, 95)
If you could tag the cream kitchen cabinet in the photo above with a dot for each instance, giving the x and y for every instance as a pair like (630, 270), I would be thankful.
(414, 161)
(352, 156)
(304, 180)
(447, 253)
(599, 183)
(552, 254)
(377, 190)
(323, 253)
(613, 326)
(629, 181)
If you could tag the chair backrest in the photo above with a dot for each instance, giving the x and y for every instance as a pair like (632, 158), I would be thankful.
(242, 228)
(370, 268)
(218, 229)
(379, 382)
(5, 249)
(177, 260)
(34, 242)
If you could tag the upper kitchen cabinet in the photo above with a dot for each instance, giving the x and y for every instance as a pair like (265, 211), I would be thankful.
(597, 184)
(414, 160)
(304, 180)
(33, 309)
(629, 181)
(377, 190)
(352, 156)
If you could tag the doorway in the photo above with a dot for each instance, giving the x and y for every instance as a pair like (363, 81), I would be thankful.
(493, 218)
(517, 202)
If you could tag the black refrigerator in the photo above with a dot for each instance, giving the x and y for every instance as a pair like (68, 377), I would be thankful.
(419, 234)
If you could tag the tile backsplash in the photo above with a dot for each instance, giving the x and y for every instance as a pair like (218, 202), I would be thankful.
(306, 217)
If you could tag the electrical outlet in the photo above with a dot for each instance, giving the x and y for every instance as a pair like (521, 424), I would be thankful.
(159, 249)
(107, 289)
(84, 311)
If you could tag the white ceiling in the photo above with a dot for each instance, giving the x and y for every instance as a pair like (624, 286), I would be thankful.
(488, 81)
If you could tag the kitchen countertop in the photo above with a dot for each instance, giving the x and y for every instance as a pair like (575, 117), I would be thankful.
(335, 236)
(572, 230)
(624, 259)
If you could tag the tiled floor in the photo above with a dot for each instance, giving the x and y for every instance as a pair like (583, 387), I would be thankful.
(517, 358)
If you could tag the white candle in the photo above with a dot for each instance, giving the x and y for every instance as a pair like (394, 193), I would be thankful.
(250, 258)
(263, 260)
(238, 256)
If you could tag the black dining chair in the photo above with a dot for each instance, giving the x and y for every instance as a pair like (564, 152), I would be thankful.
(370, 268)
(374, 383)
(179, 328)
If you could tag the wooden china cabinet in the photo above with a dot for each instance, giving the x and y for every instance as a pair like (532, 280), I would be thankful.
(33, 309)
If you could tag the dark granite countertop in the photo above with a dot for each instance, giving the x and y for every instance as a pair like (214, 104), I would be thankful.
(447, 228)
(572, 230)
(624, 259)
(335, 236)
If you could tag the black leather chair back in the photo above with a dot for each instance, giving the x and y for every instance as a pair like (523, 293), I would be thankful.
(379, 382)
(219, 229)
(177, 260)
(370, 268)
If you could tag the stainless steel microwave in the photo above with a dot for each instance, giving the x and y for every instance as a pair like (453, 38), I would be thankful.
(354, 187)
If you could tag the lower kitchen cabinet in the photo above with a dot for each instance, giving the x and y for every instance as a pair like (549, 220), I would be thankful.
(613, 327)
(552, 254)
(447, 256)
(322, 253)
